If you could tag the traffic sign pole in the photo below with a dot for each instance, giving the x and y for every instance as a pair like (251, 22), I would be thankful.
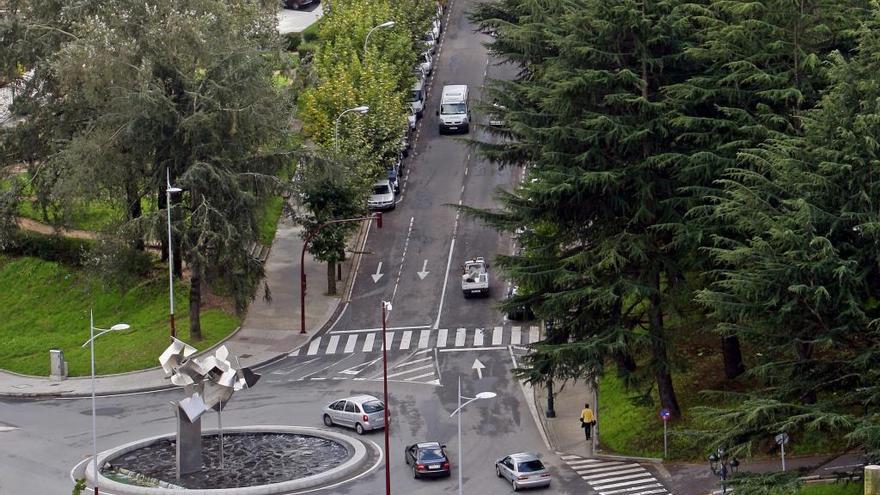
(664, 415)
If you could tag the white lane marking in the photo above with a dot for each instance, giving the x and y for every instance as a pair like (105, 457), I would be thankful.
(496, 335)
(445, 279)
(478, 337)
(318, 378)
(441, 337)
(350, 343)
(356, 370)
(295, 353)
(376, 276)
(378, 329)
(368, 342)
(411, 370)
(408, 363)
(420, 376)
(466, 349)
(313, 346)
(326, 367)
(4, 429)
(424, 335)
(389, 340)
(479, 367)
(629, 489)
(422, 352)
(460, 335)
(404, 340)
(515, 335)
(403, 258)
(424, 273)
(534, 334)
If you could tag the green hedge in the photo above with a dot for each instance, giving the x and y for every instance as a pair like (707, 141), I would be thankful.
(66, 250)
(294, 40)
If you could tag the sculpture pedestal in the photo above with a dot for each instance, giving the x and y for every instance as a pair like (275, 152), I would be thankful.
(189, 444)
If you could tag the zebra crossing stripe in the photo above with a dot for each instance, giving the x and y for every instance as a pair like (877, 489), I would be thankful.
(534, 334)
(460, 335)
(331, 345)
(621, 483)
(613, 477)
(441, 337)
(515, 335)
(368, 342)
(478, 337)
(313, 346)
(623, 474)
(604, 469)
(424, 335)
(630, 490)
(497, 335)
(404, 340)
(651, 492)
(389, 340)
(350, 343)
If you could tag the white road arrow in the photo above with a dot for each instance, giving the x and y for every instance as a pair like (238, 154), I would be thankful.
(424, 273)
(376, 276)
(479, 367)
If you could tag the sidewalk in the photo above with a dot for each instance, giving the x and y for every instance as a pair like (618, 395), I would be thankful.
(564, 431)
(269, 331)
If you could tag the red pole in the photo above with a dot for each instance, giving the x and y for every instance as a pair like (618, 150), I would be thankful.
(385, 398)
(302, 286)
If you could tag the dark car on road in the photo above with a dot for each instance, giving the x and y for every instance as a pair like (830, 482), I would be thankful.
(296, 4)
(427, 459)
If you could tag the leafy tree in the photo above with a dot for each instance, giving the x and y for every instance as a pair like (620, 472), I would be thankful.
(135, 89)
(799, 276)
(596, 126)
(761, 66)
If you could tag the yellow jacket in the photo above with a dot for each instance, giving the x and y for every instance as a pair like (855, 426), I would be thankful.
(587, 416)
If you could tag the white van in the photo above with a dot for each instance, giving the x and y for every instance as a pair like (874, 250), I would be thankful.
(454, 113)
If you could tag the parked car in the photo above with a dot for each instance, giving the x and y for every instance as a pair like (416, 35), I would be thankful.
(412, 118)
(420, 74)
(496, 117)
(435, 29)
(361, 412)
(431, 41)
(417, 98)
(427, 459)
(523, 470)
(382, 197)
(426, 63)
(520, 311)
(296, 4)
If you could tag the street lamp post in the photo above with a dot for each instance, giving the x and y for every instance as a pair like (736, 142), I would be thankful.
(302, 261)
(386, 306)
(384, 25)
(723, 465)
(91, 344)
(168, 191)
(361, 109)
(481, 395)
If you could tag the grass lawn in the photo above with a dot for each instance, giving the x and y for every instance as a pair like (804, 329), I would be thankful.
(45, 305)
(833, 489)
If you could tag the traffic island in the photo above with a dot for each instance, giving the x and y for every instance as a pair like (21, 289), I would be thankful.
(256, 460)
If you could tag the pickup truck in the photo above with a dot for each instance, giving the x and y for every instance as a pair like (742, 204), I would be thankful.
(475, 277)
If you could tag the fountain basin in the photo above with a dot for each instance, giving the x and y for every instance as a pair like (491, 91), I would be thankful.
(338, 457)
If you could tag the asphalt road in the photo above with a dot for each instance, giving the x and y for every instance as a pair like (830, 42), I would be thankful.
(436, 336)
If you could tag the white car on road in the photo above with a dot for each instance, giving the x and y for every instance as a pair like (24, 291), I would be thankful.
(361, 412)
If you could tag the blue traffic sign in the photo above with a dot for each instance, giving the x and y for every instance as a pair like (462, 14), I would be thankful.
(665, 414)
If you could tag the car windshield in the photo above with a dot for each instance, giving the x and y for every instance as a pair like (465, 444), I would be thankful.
(381, 189)
(529, 466)
(373, 406)
(433, 454)
(453, 108)
(415, 95)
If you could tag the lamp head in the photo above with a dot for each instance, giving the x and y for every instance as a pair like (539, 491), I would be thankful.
(361, 109)
(120, 326)
(713, 457)
(486, 395)
(173, 190)
(387, 24)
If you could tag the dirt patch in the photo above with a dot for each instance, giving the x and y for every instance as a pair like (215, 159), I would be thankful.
(42, 228)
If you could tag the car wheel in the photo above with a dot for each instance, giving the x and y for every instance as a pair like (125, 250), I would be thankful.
(328, 420)
(515, 486)
(359, 428)
(415, 473)
(497, 471)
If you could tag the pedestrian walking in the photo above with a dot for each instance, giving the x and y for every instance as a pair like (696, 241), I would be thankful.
(588, 420)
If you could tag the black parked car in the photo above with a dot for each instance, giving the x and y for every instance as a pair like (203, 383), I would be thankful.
(521, 311)
(427, 459)
(296, 4)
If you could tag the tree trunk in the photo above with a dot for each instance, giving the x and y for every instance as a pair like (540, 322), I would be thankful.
(195, 298)
(659, 354)
(626, 364)
(331, 278)
(134, 210)
(732, 354)
(804, 352)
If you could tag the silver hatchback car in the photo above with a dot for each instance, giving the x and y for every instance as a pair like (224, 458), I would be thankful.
(523, 471)
(362, 412)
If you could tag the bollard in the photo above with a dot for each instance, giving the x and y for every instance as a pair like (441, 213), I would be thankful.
(872, 480)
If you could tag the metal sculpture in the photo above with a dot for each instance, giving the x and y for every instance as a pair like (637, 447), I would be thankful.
(209, 383)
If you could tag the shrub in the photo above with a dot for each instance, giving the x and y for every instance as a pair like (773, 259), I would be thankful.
(117, 263)
(66, 250)
(294, 40)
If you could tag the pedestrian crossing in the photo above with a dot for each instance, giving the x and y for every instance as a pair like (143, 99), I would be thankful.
(406, 339)
(609, 477)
